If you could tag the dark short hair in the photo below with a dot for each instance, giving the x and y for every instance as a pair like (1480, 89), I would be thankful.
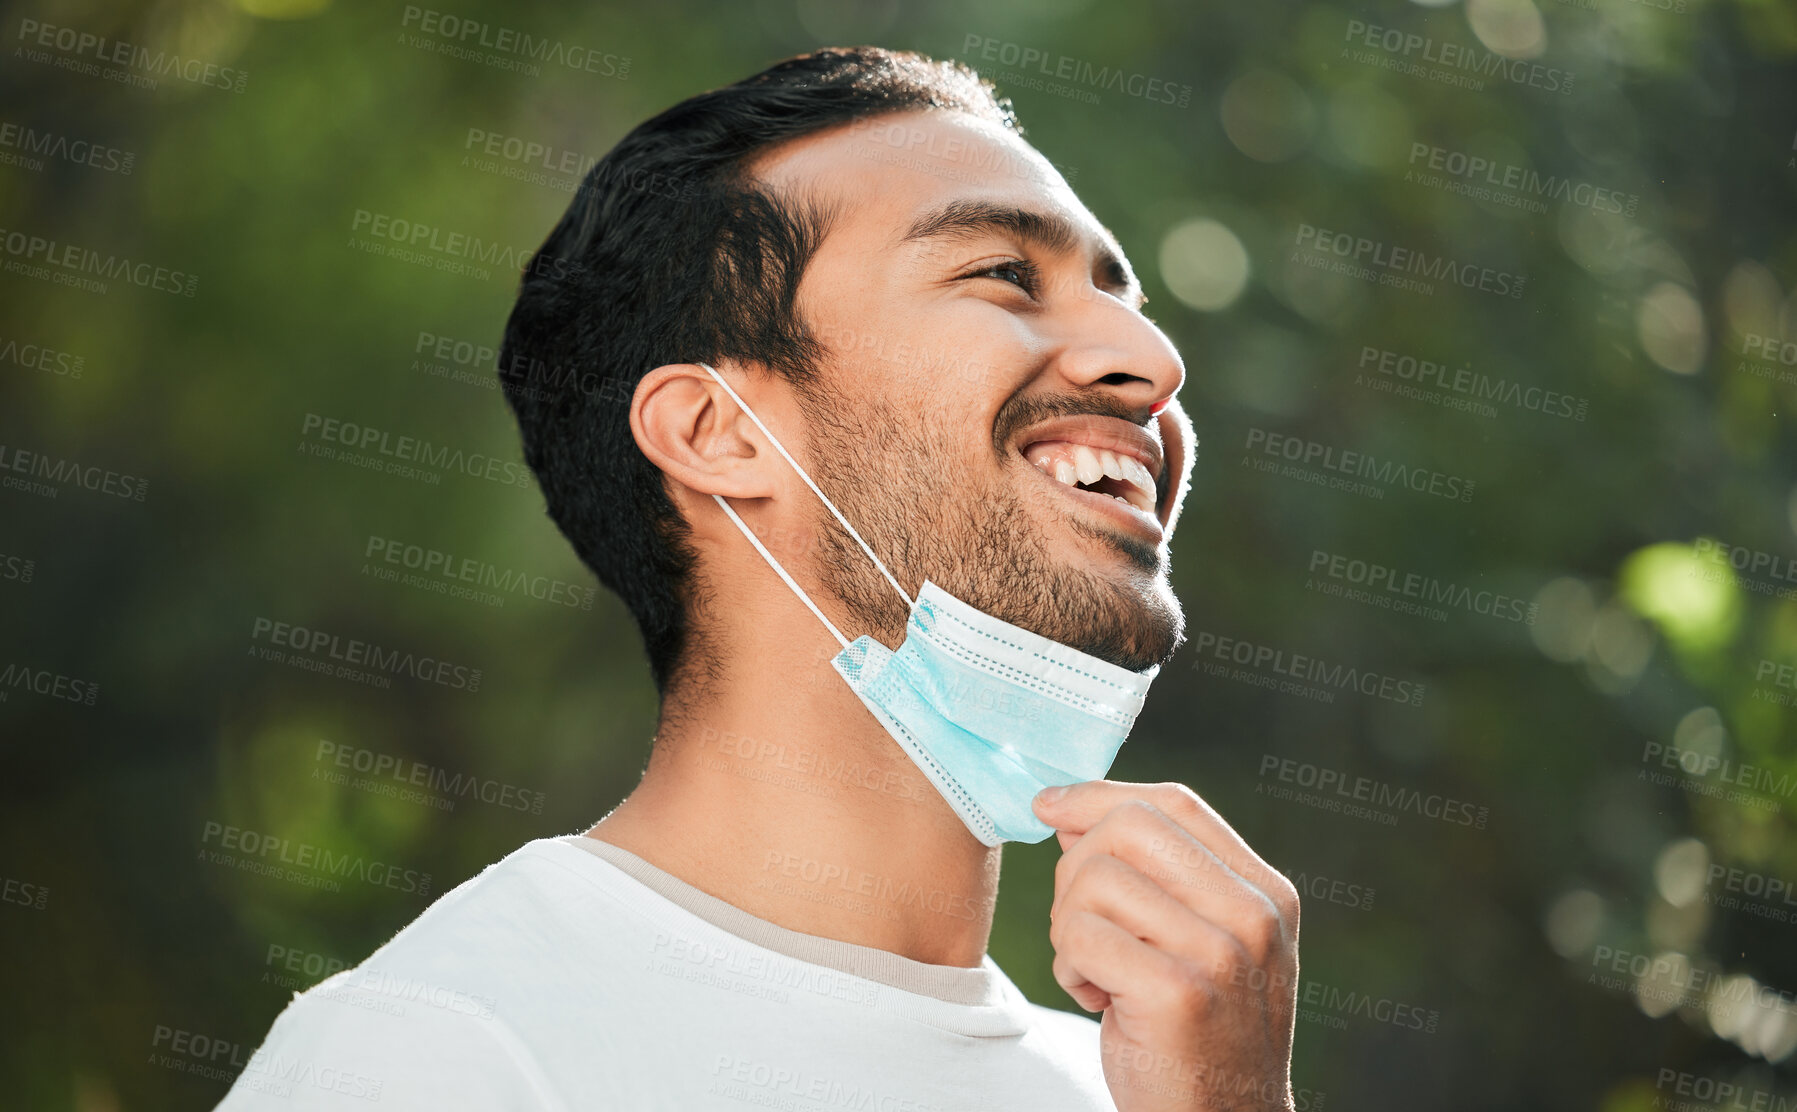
(670, 253)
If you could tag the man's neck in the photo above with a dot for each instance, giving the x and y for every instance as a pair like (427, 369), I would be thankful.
(779, 793)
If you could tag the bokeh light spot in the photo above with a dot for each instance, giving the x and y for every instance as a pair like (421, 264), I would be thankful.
(1574, 921)
(1621, 646)
(1369, 125)
(1204, 264)
(1267, 116)
(1694, 603)
(1564, 613)
(1512, 28)
(1669, 323)
(1680, 871)
(1659, 989)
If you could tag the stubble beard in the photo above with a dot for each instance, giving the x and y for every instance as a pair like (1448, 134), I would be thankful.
(896, 484)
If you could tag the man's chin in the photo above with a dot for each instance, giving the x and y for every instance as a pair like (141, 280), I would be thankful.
(1133, 621)
(1128, 619)
(1141, 624)
(1148, 641)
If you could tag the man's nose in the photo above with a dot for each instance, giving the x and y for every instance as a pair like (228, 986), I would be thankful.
(1111, 347)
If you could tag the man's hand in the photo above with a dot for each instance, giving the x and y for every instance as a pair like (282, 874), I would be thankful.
(1167, 922)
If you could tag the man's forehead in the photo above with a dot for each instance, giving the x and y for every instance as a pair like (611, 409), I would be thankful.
(902, 170)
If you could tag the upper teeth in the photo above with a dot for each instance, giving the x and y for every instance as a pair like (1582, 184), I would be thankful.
(1090, 469)
(1082, 464)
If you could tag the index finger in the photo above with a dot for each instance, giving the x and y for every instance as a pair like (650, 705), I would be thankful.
(1076, 808)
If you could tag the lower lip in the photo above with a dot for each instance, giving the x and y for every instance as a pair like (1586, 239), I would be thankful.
(1115, 508)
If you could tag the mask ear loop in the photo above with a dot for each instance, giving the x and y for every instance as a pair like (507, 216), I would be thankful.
(781, 572)
(831, 506)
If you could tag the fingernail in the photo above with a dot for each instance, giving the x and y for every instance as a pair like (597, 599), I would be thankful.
(1051, 795)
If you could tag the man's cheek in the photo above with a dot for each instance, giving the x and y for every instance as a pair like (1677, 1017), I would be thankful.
(1178, 447)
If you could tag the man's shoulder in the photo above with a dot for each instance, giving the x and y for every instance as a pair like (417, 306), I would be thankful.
(525, 894)
(427, 1013)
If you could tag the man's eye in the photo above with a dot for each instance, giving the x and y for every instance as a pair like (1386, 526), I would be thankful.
(1018, 272)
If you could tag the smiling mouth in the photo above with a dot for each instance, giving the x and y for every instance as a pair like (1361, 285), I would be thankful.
(1098, 470)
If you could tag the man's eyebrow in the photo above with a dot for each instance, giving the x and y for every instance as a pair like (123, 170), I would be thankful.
(968, 219)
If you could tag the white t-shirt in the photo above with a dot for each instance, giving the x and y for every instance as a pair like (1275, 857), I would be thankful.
(574, 975)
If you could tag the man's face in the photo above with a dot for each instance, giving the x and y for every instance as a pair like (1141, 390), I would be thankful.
(986, 414)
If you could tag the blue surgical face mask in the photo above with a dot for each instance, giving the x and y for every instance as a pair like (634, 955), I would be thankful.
(991, 712)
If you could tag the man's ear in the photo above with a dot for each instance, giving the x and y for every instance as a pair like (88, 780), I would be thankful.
(690, 428)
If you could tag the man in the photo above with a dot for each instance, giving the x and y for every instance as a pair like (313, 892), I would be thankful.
(859, 365)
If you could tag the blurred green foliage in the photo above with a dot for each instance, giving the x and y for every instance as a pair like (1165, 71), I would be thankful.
(1293, 119)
